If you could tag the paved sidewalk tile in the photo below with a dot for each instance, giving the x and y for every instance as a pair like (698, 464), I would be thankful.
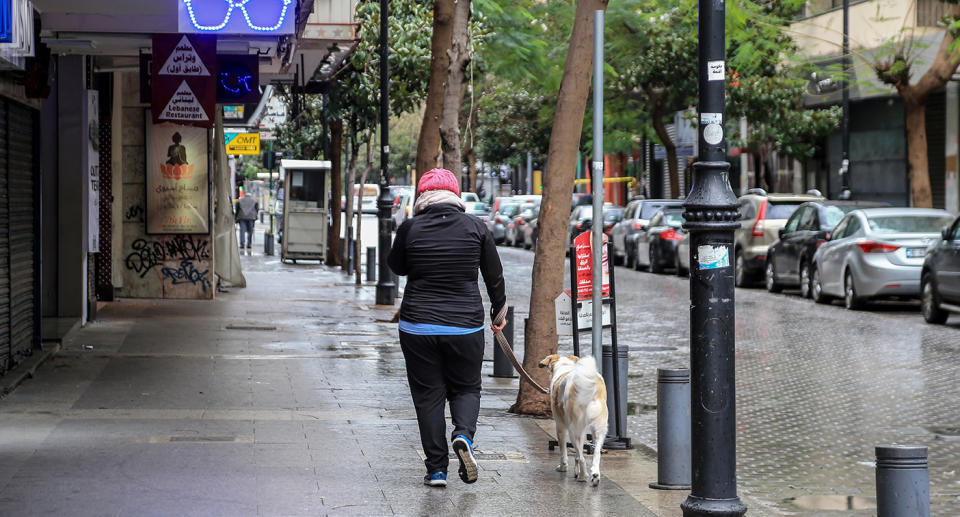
(283, 399)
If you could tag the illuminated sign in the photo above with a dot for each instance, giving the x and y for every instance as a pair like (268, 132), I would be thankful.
(237, 16)
(6, 21)
(243, 143)
(238, 78)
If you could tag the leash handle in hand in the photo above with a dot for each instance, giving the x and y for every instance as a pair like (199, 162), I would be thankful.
(505, 346)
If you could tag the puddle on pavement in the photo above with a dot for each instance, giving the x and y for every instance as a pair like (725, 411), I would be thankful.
(636, 408)
(945, 433)
(832, 502)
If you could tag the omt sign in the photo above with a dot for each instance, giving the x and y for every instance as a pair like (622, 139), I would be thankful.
(243, 143)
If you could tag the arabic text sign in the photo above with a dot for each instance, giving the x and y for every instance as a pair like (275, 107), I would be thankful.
(243, 143)
(184, 86)
(178, 199)
(584, 263)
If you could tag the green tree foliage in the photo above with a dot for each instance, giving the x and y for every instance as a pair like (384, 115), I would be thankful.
(776, 117)
(354, 92)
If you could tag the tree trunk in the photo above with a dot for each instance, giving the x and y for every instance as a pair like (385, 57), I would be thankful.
(915, 101)
(459, 55)
(920, 193)
(472, 169)
(357, 245)
(351, 179)
(548, 263)
(336, 187)
(428, 143)
(655, 105)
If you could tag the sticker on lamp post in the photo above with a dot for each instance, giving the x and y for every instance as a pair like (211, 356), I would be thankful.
(713, 134)
(713, 257)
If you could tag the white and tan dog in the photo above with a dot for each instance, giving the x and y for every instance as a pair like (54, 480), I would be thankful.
(578, 398)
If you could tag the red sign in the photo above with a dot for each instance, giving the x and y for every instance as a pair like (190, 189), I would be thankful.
(584, 263)
(184, 79)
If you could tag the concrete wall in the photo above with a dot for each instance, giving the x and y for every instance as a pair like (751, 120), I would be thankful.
(153, 266)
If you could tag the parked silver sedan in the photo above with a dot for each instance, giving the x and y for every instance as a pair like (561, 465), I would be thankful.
(875, 252)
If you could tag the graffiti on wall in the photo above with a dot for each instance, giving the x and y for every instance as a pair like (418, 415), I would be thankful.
(134, 213)
(148, 254)
(187, 273)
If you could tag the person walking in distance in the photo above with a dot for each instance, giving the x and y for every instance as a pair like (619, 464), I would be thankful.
(247, 211)
(440, 249)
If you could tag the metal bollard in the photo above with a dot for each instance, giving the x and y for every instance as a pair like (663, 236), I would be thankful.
(607, 368)
(673, 430)
(371, 264)
(501, 365)
(267, 243)
(903, 482)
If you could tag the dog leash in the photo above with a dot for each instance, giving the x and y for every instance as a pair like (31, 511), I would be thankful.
(505, 346)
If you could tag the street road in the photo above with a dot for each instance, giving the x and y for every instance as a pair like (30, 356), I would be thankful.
(817, 386)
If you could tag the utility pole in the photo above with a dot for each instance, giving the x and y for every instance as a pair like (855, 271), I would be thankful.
(845, 122)
(386, 289)
(711, 214)
(597, 247)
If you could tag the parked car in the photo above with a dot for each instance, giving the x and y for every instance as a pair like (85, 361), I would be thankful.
(656, 248)
(761, 217)
(875, 252)
(402, 207)
(514, 233)
(581, 220)
(499, 218)
(940, 276)
(478, 209)
(788, 258)
(579, 199)
(469, 197)
(636, 217)
(531, 231)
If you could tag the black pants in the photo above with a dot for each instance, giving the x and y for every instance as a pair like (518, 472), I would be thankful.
(438, 368)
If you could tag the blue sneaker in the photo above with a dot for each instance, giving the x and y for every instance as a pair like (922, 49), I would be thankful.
(468, 462)
(435, 479)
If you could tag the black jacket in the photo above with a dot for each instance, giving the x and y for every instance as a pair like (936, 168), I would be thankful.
(440, 251)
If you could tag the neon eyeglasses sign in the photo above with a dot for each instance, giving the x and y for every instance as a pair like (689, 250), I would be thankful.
(236, 16)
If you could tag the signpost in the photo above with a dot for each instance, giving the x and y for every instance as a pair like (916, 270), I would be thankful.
(184, 89)
(580, 299)
(243, 143)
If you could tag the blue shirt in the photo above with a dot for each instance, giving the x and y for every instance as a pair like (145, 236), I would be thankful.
(429, 329)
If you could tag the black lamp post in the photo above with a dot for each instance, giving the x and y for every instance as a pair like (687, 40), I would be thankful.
(711, 214)
(386, 289)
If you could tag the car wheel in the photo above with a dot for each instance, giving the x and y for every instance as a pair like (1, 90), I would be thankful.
(930, 302)
(850, 298)
(770, 278)
(636, 260)
(816, 288)
(655, 266)
(804, 280)
(740, 270)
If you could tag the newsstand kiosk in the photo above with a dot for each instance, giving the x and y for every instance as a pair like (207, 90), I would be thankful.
(306, 195)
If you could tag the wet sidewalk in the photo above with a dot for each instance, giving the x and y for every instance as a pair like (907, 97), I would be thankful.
(288, 397)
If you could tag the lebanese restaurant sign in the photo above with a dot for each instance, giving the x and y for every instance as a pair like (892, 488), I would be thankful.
(184, 84)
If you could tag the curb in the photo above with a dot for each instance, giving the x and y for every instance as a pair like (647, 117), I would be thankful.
(25, 370)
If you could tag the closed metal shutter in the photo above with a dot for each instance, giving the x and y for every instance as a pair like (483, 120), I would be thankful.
(936, 122)
(20, 170)
(5, 356)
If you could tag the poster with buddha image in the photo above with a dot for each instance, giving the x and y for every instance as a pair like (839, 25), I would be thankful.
(177, 179)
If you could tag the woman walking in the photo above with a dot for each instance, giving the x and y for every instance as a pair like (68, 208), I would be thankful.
(440, 250)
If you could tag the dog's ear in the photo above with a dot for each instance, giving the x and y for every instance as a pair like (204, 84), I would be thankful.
(548, 361)
(573, 358)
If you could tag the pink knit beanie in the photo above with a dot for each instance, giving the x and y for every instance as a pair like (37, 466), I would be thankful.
(438, 179)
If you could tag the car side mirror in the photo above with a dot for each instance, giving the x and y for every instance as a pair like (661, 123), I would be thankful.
(945, 233)
(823, 236)
(782, 232)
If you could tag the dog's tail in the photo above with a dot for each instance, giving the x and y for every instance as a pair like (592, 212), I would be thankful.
(587, 366)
